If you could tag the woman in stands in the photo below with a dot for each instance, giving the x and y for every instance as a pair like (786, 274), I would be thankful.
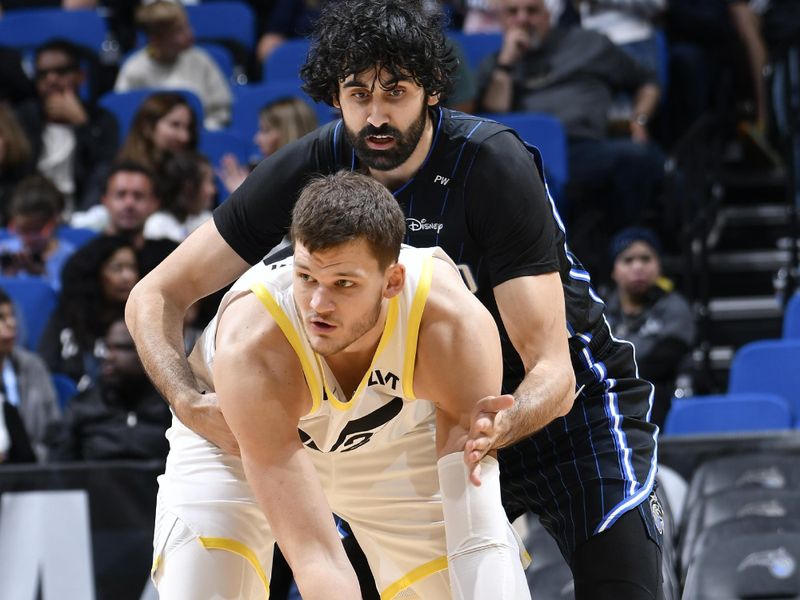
(187, 197)
(96, 282)
(164, 125)
(279, 122)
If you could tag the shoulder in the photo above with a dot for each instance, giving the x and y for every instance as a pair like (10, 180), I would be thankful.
(28, 360)
(490, 140)
(450, 305)
(246, 328)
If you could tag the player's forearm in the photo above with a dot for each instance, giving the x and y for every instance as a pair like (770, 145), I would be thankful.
(546, 393)
(289, 492)
(156, 326)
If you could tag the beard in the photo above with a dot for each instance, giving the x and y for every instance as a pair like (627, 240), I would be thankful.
(327, 346)
(405, 142)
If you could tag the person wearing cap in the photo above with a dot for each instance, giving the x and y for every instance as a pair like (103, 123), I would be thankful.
(645, 310)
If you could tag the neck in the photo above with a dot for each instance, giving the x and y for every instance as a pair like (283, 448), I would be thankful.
(631, 304)
(397, 177)
(352, 362)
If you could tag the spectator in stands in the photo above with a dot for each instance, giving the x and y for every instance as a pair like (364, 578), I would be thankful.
(171, 60)
(34, 248)
(572, 73)
(27, 386)
(122, 416)
(279, 122)
(645, 310)
(188, 191)
(15, 157)
(129, 199)
(96, 282)
(72, 141)
(164, 124)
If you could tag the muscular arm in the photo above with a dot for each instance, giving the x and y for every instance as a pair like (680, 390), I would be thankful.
(460, 366)
(459, 360)
(532, 309)
(202, 264)
(262, 394)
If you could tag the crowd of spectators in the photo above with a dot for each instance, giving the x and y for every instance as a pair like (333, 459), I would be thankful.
(625, 79)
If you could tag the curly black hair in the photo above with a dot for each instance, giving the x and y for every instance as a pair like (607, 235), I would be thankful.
(403, 37)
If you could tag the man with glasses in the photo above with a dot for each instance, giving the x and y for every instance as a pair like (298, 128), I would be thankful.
(73, 141)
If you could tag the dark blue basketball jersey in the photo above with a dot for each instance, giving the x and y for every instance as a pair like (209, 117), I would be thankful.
(480, 196)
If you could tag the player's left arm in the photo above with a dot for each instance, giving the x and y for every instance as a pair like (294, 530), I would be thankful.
(533, 313)
(459, 366)
(459, 359)
(519, 233)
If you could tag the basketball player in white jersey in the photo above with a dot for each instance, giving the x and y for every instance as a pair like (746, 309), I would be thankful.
(350, 375)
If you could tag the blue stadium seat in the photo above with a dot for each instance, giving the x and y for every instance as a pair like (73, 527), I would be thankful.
(477, 46)
(77, 236)
(791, 318)
(770, 367)
(546, 133)
(757, 566)
(35, 301)
(222, 56)
(248, 100)
(25, 29)
(230, 20)
(215, 145)
(66, 388)
(727, 413)
(123, 105)
(285, 61)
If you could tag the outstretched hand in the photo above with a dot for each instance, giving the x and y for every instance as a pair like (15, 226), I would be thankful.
(484, 431)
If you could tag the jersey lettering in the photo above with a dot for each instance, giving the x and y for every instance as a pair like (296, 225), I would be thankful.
(379, 378)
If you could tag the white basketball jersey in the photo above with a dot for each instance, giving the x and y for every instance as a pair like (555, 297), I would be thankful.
(382, 407)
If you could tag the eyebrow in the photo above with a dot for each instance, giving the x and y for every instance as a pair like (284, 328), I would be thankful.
(348, 274)
(358, 83)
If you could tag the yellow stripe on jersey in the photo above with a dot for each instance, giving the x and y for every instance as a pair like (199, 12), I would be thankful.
(414, 319)
(388, 330)
(263, 294)
(410, 578)
(214, 543)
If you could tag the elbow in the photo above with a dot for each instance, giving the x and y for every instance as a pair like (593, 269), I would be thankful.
(566, 391)
(132, 305)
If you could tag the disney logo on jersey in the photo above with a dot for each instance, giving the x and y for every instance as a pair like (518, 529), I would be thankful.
(416, 225)
(360, 431)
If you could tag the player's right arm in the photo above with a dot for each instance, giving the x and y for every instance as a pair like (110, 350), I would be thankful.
(263, 394)
(201, 265)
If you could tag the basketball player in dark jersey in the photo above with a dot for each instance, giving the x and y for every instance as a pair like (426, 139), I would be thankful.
(577, 448)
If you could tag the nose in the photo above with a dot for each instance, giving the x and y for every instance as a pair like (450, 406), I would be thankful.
(321, 302)
(377, 113)
(183, 135)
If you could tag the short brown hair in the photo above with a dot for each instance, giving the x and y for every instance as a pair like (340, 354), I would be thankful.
(336, 209)
(159, 16)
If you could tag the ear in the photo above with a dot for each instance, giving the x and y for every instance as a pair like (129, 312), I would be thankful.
(335, 102)
(395, 280)
(433, 99)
